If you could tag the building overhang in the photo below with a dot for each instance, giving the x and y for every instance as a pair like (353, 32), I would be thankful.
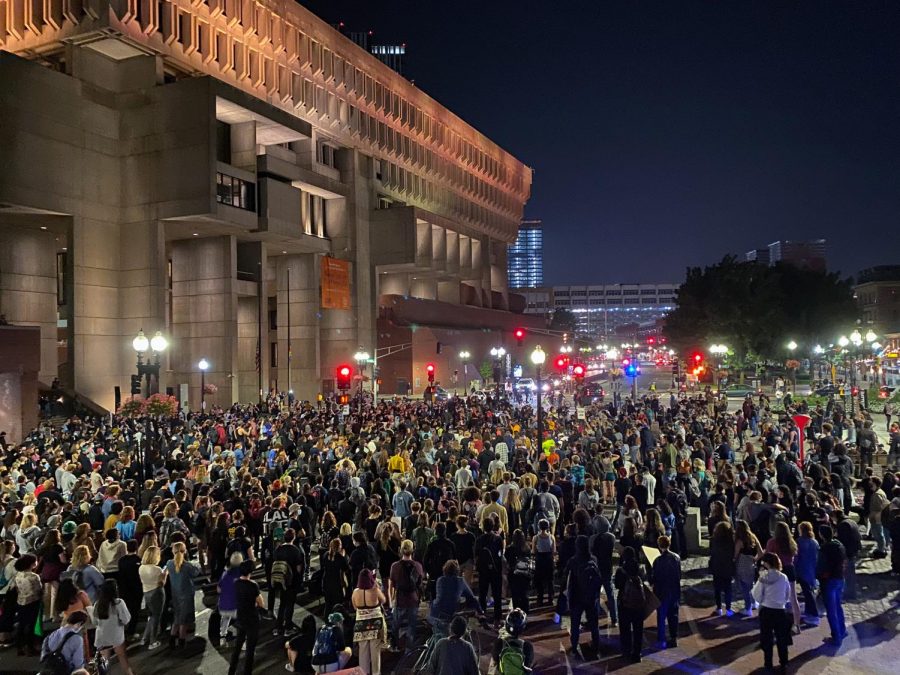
(406, 311)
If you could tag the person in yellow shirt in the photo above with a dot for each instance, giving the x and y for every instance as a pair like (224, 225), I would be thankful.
(492, 508)
(396, 463)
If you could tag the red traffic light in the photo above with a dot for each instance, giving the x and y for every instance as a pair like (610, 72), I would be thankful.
(344, 374)
(578, 371)
(625, 362)
(561, 362)
(651, 340)
(429, 369)
(520, 335)
(698, 357)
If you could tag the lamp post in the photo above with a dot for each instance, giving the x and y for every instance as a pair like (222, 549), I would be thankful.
(157, 345)
(498, 353)
(792, 346)
(464, 357)
(362, 358)
(203, 366)
(719, 351)
(537, 358)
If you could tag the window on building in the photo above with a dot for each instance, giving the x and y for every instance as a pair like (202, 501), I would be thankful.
(62, 261)
(223, 142)
(561, 294)
(648, 291)
(630, 291)
(328, 155)
(235, 192)
(579, 293)
(273, 355)
(614, 292)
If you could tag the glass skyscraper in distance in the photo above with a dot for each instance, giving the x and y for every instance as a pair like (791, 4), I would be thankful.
(526, 257)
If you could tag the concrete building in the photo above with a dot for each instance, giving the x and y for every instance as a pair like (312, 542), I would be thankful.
(600, 309)
(242, 178)
(878, 296)
(526, 256)
(760, 255)
(808, 254)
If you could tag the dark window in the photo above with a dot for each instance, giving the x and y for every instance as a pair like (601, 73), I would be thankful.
(273, 355)
(223, 141)
(235, 192)
(273, 319)
(62, 261)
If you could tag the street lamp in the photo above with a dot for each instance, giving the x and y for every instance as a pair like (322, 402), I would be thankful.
(464, 357)
(537, 358)
(498, 353)
(157, 344)
(203, 366)
(362, 358)
(843, 341)
(791, 345)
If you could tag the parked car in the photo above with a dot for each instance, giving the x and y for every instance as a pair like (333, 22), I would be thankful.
(591, 393)
(826, 390)
(886, 392)
(738, 391)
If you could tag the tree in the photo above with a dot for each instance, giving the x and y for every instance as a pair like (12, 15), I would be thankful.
(755, 309)
(563, 320)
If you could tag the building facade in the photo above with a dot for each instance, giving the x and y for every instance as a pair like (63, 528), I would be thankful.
(240, 177)
(808, 254)
(878, 297)
(600, 310)
(525, 257)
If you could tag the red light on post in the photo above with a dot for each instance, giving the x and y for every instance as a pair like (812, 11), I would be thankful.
(344, 374)
(520, 335)
(578, 371)
(698, 357)
(429, 369)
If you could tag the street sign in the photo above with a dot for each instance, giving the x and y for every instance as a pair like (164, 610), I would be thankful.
(345, 410)
(580, 413)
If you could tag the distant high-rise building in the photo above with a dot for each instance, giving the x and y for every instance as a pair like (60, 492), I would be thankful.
(389, 55)
(526, 257)
(760, 255)
(809, 254)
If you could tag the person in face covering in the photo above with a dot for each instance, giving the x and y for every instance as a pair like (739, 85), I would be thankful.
(773, 593)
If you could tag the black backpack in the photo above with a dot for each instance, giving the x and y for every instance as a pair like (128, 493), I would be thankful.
(413, 580)
(54, 663)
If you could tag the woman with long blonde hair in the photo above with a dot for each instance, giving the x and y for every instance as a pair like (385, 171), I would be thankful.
(181, 574)
(153, 583)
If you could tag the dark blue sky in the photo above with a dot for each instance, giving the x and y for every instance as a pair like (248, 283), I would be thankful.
(667, 134)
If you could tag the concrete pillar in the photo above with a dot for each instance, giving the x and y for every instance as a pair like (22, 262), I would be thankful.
(300, 274)
(28, 287)
(253, 326)
(243, 146)
(204, 316)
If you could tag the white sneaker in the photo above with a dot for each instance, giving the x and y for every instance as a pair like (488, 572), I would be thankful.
(154, 645)
(719, 612)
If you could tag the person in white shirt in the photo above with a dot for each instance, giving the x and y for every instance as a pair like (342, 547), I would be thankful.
(773, 593)
(463, 476)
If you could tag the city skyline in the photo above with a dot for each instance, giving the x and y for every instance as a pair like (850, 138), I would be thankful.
(701, 131)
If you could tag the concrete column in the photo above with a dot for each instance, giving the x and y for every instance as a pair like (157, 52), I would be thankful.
(300, 274)
(204, 316)
(28, 287)
(243, 146)
(253, 327)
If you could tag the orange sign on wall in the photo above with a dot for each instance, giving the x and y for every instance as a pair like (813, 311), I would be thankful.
(335, 283)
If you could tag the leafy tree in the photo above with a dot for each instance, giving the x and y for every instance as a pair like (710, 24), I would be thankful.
(755, 309)
(563, 320)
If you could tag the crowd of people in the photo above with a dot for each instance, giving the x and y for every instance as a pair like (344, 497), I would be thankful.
(111, 526)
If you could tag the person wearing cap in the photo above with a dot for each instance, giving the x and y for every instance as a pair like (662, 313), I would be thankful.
(512, 638)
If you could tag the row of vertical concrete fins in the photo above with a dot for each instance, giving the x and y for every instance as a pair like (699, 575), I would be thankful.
(282, 54)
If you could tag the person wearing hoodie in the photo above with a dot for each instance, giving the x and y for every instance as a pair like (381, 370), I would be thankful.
(583, 596)
(773, 593)
(602, 548)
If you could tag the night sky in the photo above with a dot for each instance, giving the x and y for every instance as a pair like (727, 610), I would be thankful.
(666, 134)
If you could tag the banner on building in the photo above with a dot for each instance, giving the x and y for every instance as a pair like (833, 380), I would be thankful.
(335, 283)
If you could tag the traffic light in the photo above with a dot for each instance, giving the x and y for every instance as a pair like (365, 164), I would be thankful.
(578, 372)
(631, 370)
(429, 369)
(520, 335)
(651, 340)
(626, 362)
(344, 399)
(135, 385)
(561, 362)
(344, 375)
(697, 358)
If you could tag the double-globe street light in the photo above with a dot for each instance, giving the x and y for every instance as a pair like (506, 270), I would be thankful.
(150, 370)
(537, 358)
(499, 371)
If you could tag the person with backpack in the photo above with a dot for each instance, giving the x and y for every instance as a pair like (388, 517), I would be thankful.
(330, 651)
(404, 591)
(543, 547)
(513, 655)
(520, 566)
(454, 655)
(440, 550)
(678, 502)
(583, 582)
(369, 629)
(666, 575)
(629, 583)
(489, 565)
(286, 581)
(62, 652)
